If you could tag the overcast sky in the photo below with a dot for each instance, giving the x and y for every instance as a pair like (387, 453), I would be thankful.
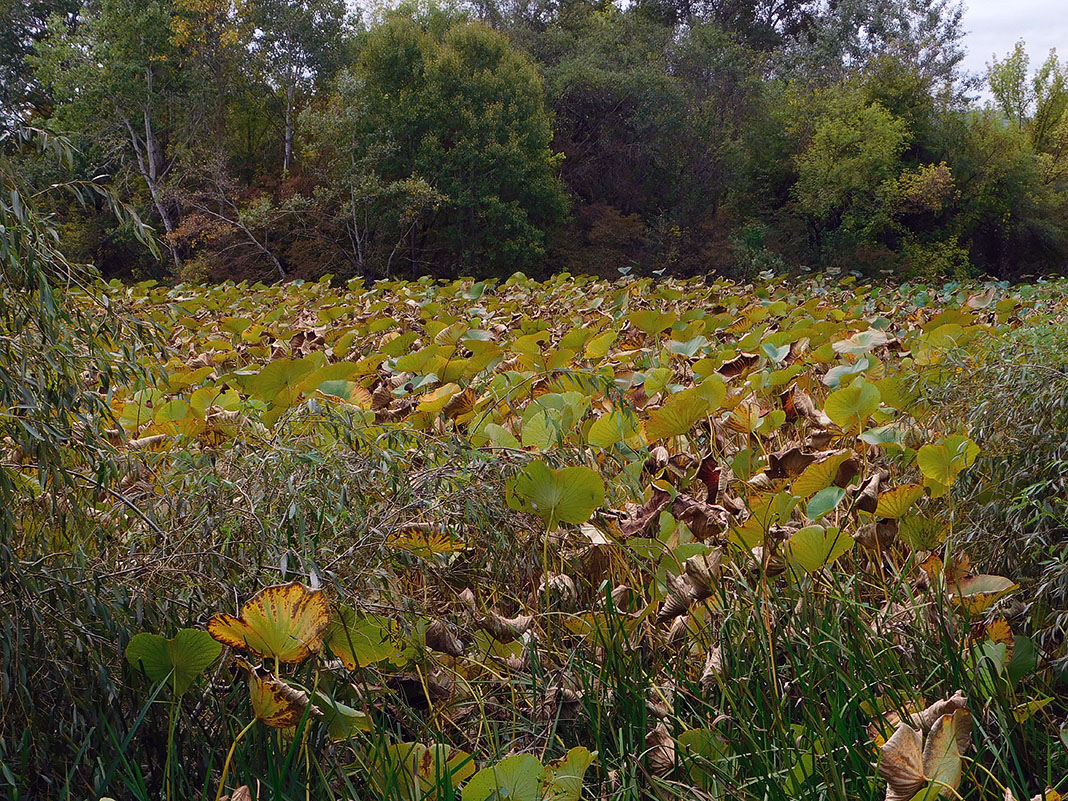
(994, 27)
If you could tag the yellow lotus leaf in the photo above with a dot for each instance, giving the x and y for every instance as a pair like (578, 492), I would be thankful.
(275, 702)
(976, 594)
(897, 502)
(285, 622)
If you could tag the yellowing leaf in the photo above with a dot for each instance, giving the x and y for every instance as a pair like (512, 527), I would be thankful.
(685, 409)
(976, 594)
(275, 702)
(285, 622)
(814, 547)
(897, 502)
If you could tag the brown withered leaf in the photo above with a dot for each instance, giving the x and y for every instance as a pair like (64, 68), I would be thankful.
(738, 365)
(560, 703)
(657, 461)
(847, 471)
(806, 408)
(901, 764)
(660, 750)
(660, 700)
(678, 600)
(705, 520)
(703, 572)
(420, 691)
(709, 474)
(467, 601)
(877, 536)
(505, 629)
(639, 517)
(460, 404)
(712, 671)
(788, 463)
(818, 440)
(439, 637)
(679, 629)
(558, 591)
(926, 719)
(867, 494)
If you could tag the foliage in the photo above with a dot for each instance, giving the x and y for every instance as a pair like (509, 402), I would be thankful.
(700, 530)
(48, 344)
(443, 112)
(1015, 487)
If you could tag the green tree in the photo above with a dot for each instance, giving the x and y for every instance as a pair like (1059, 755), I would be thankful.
(119, 80)
(300, 44)
(844, 170)
(22, 24)
(444, 114)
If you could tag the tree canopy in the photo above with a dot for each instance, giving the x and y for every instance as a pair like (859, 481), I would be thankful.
(278, 139)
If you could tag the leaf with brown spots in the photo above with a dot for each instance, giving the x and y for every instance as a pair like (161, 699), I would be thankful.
(285, 622)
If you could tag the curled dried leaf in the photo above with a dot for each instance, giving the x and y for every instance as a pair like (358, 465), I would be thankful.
(703, 572)
(679, 629)
(660, 750)
(439, 637)
(705, 520)
(878, 536)
(679, 597)
(867, 494)
(505, 629)
(660, 700)
(712, 671)
(788, 463)
(558, 591)
(901, 764)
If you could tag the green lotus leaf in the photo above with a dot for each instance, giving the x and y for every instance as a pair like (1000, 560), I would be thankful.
(569, 495)
(850, 407)
(814, 547)
(516, 778)
(181, 658)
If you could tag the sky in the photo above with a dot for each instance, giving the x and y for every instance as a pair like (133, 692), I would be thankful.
(994, 27)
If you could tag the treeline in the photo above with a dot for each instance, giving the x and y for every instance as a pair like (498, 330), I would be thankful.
(279, 138)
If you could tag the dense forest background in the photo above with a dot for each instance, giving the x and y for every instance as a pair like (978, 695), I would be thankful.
(296, 138)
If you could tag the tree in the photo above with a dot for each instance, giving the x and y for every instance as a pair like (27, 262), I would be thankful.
(843, 172)
(443, 116)
(300, 44)
(22, 24)
(846, 35)
(119, 79)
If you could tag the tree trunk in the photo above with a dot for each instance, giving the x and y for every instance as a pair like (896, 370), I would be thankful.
(287, 159)
(151, 166)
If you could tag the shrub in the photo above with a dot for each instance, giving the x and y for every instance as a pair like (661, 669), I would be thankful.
(1011, 509)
